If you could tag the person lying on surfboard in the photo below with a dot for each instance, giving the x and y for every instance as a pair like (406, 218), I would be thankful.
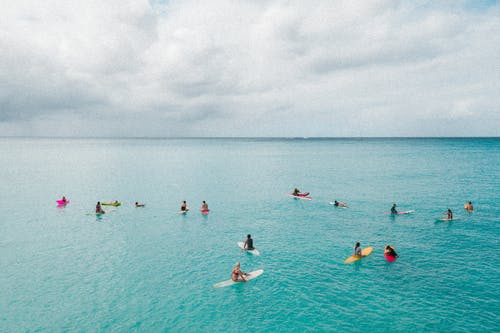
(248, 243)
(237, 275)
(339, 204)
(393, 209)
(139, 204)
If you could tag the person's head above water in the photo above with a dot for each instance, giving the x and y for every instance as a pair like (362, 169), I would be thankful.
(248, 236)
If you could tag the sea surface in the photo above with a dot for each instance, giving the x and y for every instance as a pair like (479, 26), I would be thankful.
(152, 270)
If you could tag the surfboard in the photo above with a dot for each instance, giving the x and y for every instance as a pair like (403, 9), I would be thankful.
(445, 219)
(183, 212)
(364, 252)
(100, 214)
(401, 213)
(116, 204)
(255, 252)
(249, 276)
(299, 197)
(389, 258)
(205, 211)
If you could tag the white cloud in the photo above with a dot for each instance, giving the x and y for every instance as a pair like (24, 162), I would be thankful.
(249, 68)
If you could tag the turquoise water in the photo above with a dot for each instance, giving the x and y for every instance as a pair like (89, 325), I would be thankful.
(152, 270)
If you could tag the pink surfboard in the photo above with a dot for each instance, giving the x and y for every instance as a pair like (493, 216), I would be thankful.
(389, 258)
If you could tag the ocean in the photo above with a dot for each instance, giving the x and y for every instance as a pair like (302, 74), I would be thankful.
(150, 269)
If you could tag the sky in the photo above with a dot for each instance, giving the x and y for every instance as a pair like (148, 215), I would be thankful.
(249, 68)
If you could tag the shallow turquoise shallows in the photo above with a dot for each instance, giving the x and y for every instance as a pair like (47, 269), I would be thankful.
(152, 270)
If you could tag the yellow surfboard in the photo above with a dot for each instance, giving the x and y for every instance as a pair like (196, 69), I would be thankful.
(365, 252)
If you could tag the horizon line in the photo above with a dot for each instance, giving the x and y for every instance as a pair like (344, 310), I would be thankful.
(245, 137)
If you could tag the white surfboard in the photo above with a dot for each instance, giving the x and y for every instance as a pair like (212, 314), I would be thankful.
(249, 276)
(255, 252)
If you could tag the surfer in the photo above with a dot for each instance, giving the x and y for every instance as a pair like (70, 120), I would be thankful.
(98, 208)
(184, 206)
(357, 250)
(139, 204)
(449, 214)
(389, 250)
(64, 199)
(393, 209)
(296, 192)
(204, 206)
(237, 275)
(248, 243)
(468, 206)
(339, 204)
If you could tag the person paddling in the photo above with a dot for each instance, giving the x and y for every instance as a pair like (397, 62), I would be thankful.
(339, 204)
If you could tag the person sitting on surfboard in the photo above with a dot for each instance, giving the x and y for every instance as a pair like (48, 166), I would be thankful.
(237, 275)
(296, 192)
(204, 206)
(98, 208)
(248, 243)
(393, 209)
(389, 250)
(64, 199)
(468, 206)
(339, 204)
(184, 206)
(357, 250)
(449, 214)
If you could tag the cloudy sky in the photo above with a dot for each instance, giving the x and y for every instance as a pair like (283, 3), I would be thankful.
(249, 68)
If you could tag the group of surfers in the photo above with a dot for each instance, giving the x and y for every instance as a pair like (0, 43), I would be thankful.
(468, 205)
(389, 250)
(237, 275)
(184, 207)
